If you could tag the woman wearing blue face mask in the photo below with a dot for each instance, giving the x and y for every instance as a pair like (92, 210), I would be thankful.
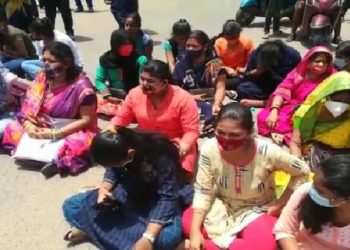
(342, 56)
(136, 205)
(322, 122)
(317, 215)
(200, 68)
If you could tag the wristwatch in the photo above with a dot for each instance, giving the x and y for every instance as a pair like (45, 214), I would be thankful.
(149, 237)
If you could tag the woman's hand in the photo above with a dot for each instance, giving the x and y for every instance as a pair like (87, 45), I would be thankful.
(196, 241)
(200, 97)
(231, 72)
(272, 118)
(143, 244)
(274, 210)
(44, 133)
(31, 129)
(216, 108)
(103, 194)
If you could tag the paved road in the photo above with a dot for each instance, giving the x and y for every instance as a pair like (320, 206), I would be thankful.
(30, 211)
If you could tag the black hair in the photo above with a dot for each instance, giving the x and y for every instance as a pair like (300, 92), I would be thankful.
(109, 148)
(135, 16)
(3, 17)
(64, 54)
(118, 38)
(343, 49)
(270, 52)
(336, 178)
(230, 28)
(158, 69)
(238, 112)
(42, 26)
(182, 28)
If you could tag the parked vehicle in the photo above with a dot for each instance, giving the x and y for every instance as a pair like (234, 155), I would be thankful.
(322, 15)
(249, 9)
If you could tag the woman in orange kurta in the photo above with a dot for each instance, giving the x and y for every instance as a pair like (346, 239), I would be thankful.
(158, 106)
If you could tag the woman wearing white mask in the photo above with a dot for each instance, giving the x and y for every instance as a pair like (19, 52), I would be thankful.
(342, 56)
(317, 214)
(322, 122)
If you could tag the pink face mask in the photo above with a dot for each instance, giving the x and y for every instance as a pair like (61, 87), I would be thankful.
(229, 144)
(125, 50)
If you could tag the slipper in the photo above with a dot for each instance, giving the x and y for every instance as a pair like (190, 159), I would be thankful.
(232, 94)
(277, 138)
(75, 236)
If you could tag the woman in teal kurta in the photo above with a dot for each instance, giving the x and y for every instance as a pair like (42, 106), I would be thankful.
(117, 71)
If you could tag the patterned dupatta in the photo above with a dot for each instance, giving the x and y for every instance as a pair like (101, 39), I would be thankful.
(63, 102)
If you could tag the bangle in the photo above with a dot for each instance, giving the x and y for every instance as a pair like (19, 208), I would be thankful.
(149, 237)
(274, 107)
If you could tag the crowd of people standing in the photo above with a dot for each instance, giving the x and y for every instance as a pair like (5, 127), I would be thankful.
(162, 189)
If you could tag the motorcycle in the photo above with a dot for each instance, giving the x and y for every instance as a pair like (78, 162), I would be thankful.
(249, 9)
(320, 26)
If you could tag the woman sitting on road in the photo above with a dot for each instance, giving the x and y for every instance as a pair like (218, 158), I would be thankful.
(200, 68)
(317, 214)
(240, 168)
(175, 47)
(267, 66)
(159, 106)
(136, 205)
(322, 123)
(118, 72)
(233, 48)
(144, 43)
(59, 92)
(276, 119)
(42, 33)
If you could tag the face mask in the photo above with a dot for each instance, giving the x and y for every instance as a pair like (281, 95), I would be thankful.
(340, 63)
(51, 72)
(193, 54)
(336, 108)
(229, 144)
(125, 50)
(320, 200)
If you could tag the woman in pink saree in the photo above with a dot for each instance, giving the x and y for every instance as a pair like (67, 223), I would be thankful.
(60, 91)
(275, 119)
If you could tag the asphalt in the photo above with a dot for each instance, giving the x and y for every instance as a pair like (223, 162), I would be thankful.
(30, 211)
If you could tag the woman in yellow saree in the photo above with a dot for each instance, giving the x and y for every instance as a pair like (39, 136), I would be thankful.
(322, 122)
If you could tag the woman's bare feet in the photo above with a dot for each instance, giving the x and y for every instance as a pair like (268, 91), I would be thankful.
(75, 236)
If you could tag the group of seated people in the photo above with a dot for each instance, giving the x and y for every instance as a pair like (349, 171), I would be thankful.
(160, 189)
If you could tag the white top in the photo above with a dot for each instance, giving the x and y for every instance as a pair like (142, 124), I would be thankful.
(63, 38)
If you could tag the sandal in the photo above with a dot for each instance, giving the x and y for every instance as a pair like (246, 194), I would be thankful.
(277, 138)
(232, 94)
(75, 236)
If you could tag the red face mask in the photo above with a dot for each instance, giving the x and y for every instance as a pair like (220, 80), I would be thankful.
(125, 50)
(229, 144)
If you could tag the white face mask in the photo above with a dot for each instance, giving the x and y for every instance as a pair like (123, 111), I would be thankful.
(336, 108)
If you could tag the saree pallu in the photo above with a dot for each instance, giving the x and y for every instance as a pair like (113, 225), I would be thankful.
(63, 102)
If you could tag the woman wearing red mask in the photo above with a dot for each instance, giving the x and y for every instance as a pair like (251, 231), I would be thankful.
(117, 72)
(240, 168)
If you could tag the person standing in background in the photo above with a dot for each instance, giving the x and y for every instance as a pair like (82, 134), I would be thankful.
(51, 7)
(273, 10)
(120, 9)
(80, 7)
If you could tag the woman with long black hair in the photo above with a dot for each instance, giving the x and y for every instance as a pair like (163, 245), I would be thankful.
(136, 205)
(317, 214)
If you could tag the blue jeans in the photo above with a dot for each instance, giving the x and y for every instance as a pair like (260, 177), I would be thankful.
(32, 67)
(80, 5)
(169, 237)
(13, 64)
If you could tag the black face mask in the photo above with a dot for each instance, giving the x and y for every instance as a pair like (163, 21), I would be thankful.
(193, 54)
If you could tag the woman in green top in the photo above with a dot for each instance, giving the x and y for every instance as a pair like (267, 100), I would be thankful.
(117, 72)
